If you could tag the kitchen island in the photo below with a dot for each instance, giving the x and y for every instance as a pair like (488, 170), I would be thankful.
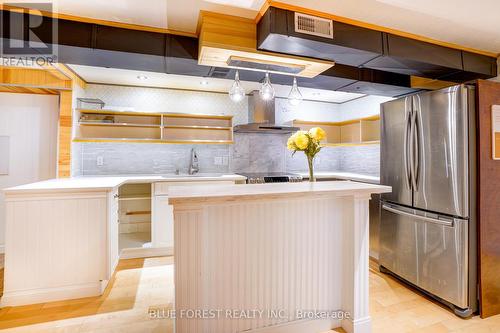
(289, 257)
(62, 235)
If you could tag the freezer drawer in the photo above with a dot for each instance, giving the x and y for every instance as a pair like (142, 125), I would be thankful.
(428, 250)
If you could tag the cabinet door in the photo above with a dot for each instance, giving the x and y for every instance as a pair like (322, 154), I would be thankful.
(113, 251)
(162, 224)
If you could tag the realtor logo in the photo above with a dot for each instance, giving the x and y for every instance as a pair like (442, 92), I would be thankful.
(29, 35)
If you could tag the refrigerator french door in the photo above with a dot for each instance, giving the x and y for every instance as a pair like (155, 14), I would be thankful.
(427, 231)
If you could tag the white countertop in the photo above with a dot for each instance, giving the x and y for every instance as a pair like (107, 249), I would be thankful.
(106, 183)
(343, 175)
(179, 194)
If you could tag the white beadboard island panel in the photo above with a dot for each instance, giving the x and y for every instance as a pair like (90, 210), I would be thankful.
(54, 248)
(278, 247)
(62, 234)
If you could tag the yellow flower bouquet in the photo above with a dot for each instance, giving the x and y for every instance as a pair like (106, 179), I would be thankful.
(309, 143)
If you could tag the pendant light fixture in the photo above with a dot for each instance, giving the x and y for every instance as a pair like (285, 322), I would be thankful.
(236, 93)
(295, 97)
(266, 90)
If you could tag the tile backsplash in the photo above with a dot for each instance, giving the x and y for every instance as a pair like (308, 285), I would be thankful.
(360, 159)
(140, 158)
(250, 153)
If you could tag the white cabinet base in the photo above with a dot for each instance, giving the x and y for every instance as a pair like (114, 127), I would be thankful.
(44, 295)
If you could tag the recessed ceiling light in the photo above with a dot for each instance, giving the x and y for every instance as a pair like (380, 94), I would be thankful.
(204, 83)
(142, 77)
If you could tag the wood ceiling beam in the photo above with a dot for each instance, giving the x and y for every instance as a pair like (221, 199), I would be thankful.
(33, 77)
(418, 82)
(71, 74)
(28, 90)
(282, 5)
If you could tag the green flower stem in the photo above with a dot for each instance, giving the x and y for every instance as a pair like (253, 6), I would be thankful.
(310, 162)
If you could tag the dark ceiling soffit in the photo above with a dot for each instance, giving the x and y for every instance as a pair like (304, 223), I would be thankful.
(362, 47)
(104, 46)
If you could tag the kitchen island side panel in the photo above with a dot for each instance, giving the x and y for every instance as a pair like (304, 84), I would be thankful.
(285, 255)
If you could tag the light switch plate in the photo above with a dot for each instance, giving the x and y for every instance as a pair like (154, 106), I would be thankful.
(225, 160)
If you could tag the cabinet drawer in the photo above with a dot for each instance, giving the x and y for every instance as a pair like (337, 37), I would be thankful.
(161, 188)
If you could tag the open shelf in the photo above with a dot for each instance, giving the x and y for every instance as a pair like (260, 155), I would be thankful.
(91, 123)
(146, 127)
(131, 140)
(355, 132)
(135, 197)
(139, 212)
(362, 143)
(134, 215)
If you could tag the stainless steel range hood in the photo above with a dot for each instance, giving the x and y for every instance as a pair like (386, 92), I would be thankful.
(261, 118)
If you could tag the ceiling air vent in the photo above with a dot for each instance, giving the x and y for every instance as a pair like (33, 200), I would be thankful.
(313, 25)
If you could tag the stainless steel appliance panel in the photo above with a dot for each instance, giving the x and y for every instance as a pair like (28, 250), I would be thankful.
(398, 244)
(439, 151)
(394, 154)
(426, 249)
(443, 260)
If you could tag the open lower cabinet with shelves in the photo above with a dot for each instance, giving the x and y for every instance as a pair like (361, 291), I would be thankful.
(355, 132)
(143, 127)
(134, 217)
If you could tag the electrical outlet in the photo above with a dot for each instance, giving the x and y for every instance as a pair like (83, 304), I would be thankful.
(225, 160)
(100, 161)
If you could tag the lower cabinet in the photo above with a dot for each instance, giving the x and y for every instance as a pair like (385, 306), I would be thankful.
(162, 226)
(162, 214)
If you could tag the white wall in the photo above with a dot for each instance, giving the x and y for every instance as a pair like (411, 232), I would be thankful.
(307, 110)
(30, 122)
(362, 107)
(323, 111)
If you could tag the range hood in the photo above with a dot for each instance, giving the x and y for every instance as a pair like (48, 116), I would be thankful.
(261, 118)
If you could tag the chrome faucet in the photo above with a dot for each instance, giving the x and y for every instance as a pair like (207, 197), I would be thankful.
(193, 164)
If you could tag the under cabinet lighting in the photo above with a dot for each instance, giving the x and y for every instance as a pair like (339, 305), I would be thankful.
(142, 77)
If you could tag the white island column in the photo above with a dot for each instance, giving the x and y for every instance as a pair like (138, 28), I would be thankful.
(272, 257)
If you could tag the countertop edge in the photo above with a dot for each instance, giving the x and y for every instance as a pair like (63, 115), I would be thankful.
(25, 189)
(180, 199)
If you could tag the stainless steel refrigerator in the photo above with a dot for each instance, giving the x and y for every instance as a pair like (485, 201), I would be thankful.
(428, 222)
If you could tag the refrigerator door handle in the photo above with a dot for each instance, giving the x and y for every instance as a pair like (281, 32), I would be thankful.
(407, 137)
(420, 217)
(414, 147)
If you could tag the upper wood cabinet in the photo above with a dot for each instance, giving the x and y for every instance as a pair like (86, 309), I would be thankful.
(354, 132)
(119, 126)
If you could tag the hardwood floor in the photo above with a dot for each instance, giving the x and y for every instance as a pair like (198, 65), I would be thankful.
(141, 285)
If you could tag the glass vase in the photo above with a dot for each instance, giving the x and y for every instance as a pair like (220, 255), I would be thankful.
(310, 162)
